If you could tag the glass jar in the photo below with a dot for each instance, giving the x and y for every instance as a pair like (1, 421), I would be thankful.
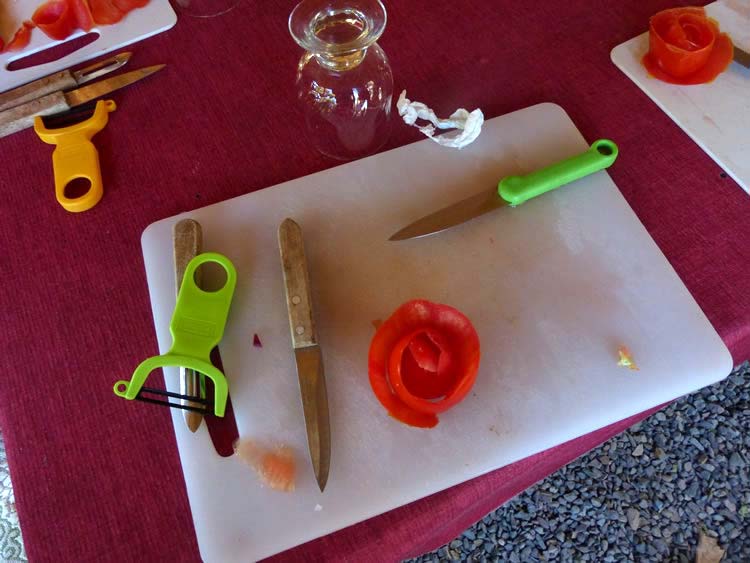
(344, 80)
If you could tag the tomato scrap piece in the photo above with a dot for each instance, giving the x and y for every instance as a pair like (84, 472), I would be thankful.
(626, 358)
(55, 19)
(82, 14)
(105, 12)
(58, 19)
(20, 39)
(275, 467)
(112, 11)
(422, 361)
(686, 47)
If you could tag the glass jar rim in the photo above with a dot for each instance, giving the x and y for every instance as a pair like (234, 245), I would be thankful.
(307, 13)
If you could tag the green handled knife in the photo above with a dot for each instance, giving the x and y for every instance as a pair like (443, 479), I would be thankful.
(514, 190)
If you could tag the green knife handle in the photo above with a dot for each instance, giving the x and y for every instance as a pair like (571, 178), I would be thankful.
(517, 189)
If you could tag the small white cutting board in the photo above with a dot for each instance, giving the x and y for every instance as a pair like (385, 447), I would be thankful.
(553, 287)
(155, 17)
(715, 115)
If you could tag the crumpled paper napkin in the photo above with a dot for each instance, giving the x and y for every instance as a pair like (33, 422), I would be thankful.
(467, 125)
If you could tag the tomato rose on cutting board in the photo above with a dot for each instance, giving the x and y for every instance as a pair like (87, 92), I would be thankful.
(59, 19)
(423, 360)
(686, 47)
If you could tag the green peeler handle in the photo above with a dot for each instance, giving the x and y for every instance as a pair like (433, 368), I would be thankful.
(199, 316)
(517, 189)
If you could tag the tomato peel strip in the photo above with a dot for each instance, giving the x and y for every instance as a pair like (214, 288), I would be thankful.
(106, 12)
(458, 362)
(20, 39)
(56, 19)
(82, 14)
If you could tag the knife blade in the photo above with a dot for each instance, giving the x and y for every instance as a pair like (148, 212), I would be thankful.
(307, 352)
(742, 57)
(512, 191)
(63, 80)
(22, 116)
(187, 241)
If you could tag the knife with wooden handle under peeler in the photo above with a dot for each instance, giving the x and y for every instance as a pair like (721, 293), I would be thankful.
(22, 116)
(188, 239)
(60, 81)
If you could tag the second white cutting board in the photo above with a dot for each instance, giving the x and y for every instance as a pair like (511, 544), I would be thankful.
(553, 288)
(715, 115)
(157, 16)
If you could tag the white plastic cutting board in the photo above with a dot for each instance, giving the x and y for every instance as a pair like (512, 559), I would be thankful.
(714, 115)
(155, 17)
(553, 288)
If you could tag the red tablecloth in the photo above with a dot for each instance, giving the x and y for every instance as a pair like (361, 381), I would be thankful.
(99, 479)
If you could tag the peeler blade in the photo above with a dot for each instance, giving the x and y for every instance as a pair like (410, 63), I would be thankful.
(94, 71)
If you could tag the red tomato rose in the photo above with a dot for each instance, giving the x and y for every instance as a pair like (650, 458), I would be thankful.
(423, 360)
(686, 47)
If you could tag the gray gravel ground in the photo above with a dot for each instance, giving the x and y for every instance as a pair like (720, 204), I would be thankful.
(644, 495)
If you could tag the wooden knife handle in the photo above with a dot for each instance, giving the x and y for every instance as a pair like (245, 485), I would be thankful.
(187, 237)
(297, 284)
(62, 80)
(21, 117)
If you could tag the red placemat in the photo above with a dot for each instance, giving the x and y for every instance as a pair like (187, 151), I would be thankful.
(99, 479)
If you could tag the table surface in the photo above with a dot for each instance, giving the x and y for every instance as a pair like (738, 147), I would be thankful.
(99, 479)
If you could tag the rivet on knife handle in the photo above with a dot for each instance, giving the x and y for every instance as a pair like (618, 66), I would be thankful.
(518, 189)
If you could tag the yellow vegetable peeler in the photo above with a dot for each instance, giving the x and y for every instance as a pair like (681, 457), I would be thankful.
(75, 156)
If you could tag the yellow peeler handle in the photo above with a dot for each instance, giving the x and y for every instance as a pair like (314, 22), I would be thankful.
(75, 156)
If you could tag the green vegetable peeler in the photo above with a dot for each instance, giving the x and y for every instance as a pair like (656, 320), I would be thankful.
(197, 326)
